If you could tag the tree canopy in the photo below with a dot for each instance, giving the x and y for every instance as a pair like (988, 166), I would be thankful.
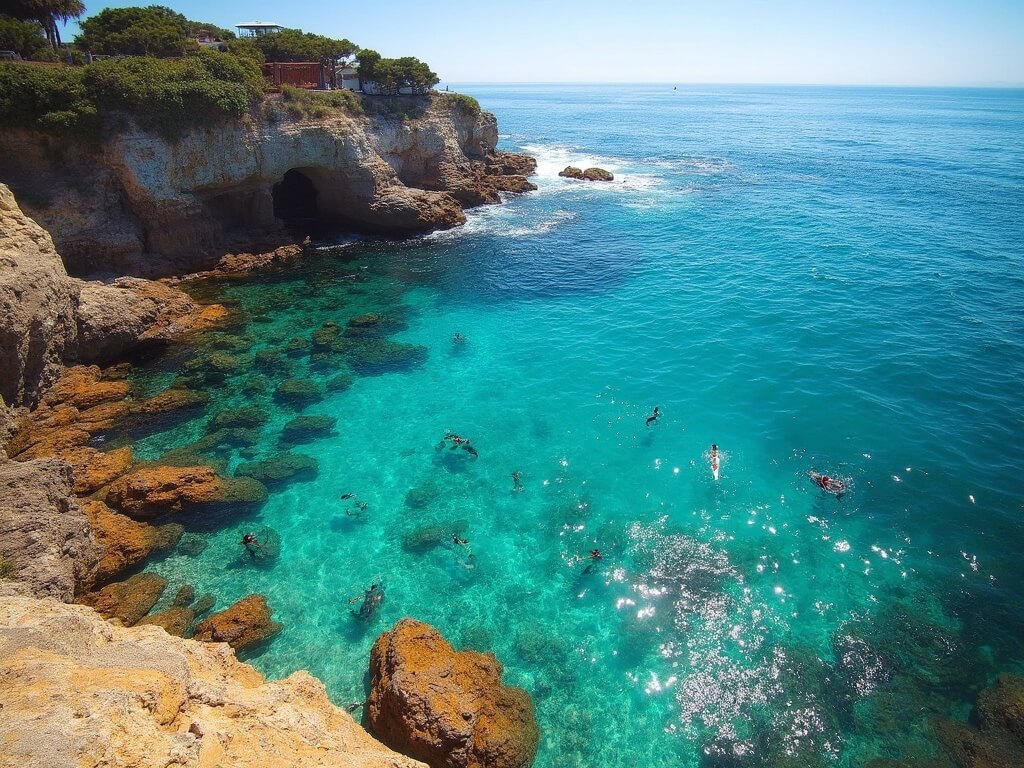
(46, 12)
(295, 45)
(393, 75)
(25, 37)
(152, 31)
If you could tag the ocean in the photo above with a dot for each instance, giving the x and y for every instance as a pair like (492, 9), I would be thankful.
(810, 278)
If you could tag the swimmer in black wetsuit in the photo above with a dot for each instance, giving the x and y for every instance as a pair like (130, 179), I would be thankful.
(654, 416)
(251, 544)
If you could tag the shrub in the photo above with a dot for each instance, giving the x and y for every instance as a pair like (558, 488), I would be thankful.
(467, 105)
(50, 98)
(25, 37)
(7, 568)
(303, 104)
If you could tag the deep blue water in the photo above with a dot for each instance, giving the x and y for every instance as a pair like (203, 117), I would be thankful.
(808, 277)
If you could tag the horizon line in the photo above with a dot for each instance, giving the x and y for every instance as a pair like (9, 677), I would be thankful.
(1008, 86)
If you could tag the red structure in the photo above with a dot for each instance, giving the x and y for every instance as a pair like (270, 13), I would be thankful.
(300, 74)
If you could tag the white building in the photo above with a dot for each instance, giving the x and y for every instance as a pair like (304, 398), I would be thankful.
(347, 77)
(257, 28)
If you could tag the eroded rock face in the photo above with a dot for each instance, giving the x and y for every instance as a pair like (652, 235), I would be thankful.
(152, 490)
(43, 531)
(444, 707)
(244, 624)
(124, 543)
(128, 600)
(138, 697)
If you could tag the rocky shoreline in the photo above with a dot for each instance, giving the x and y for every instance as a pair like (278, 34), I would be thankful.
(77, 523)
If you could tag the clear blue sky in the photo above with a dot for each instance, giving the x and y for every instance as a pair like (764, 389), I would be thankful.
(898, 42)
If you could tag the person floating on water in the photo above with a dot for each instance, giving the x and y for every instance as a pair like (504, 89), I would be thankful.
(654, 416)
(372, 599)
(251, 544)
(358, 508)
(458, 338)
(828, 484)
(517, 480)
(595, 558)
(458, 442)
(714, 460)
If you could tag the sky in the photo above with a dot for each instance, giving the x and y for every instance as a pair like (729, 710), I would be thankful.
(843, 42)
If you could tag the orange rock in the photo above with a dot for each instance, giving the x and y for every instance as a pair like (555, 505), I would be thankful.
(93, 469)
(175, 620)
(103, 416)
(128, 600)
(124, 543)
(81, 387)
(47, 443)
(150, 490)
(444, 707)
(245, 623)
(170, 400)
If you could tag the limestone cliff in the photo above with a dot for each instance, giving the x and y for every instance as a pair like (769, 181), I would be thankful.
(138, 697)
(136, 203)
(48, 318)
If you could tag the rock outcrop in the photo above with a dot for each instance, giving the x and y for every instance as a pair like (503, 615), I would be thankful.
(128, 600)
(244, 624)
(155, 207)
(997, 741)
(138, 697)
(124, 543)
(444, 707)
(43, 531)
(149, 491)
(48, 318)
(591, 174)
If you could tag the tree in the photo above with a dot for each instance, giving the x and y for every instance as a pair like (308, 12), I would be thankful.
(152, 31)
(393, 75)
(47, 13)
(25, 37)
(296, 45)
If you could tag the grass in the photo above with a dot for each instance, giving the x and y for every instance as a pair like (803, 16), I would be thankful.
(303, 104)
(7, 568)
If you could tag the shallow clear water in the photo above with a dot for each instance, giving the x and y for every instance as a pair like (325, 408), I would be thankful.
(809, 278)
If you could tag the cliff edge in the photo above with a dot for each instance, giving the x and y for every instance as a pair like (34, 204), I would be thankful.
(136, 203)
(139, 697)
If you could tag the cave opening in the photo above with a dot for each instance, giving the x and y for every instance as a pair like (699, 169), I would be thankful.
(295, 202)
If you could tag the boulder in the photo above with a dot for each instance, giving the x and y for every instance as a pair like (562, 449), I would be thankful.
(511, 163)
(43, 531)
(153, 490)
(597, 174)
(244, 624)
(302, 429)
(204, 604)
(280, 468)
(298, 393)
(326, 335)
(185, 596)
(340, 383)
(399, 210)
(444, 707)
(571, 172)
(124, 543)
(176, 399)
(427, 538)
(129, 600)
(191, 545)
(93, 469)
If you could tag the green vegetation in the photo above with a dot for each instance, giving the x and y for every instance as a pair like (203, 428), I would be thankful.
(302, 104)
(24, 37)
(392, 75)
(467, 105)
(152, 31)
(7, 568)
(45, 13)
(294, 45)
(165, 96)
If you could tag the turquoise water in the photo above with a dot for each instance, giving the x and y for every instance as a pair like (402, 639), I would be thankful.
(826, 278)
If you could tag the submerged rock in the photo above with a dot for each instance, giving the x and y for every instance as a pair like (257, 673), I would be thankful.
(340, 383)
(127, 601)
(445, 707)
(384, 356)
(297, 346)
(272, 360)
(326, 335)
(427, 538)
(124, 543)
(185, 595)
(571, 172)
(204, 604)
(176, 399)
(420, 496)
(598, 174)
(244, 624)
(192, 545)
(298, 393)
(280, 468)
(302, 429)
(239, 417)
(176, 620)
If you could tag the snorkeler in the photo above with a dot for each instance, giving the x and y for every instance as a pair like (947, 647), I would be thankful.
(372, 599)
(828, 484)
(458, 442)
(358, 508)
(714, 460)
(251, 544)
(595, 558)
(517, 480)
(654, 416)
(458, 338)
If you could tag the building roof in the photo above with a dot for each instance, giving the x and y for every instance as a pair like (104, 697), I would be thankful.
(257, 25)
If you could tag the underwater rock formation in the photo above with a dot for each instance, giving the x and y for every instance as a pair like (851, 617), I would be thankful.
(280, 468)
(445, 707)
(244, 624)
(154, 490)
(302, 429)
(998, 739)
(128, 600)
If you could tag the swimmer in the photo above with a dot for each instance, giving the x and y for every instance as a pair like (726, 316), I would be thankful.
(654, 416)
(358, 508)
(458, 338)
(714, 460)
(828, 484)
(469, 449)
(251, 544)
(595, 558)
(517, 481)
(372, 599)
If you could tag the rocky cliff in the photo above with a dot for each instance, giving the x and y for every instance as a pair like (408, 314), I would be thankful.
(81, 691)
(136, 203)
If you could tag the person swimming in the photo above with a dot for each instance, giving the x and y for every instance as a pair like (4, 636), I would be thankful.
(358, 508)
(715, 462)
(828, 484)
(251, 544)
(517, 481)
(458, 338)
(372, 599)
(653, 417)
(458, 442)
(595, 558)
